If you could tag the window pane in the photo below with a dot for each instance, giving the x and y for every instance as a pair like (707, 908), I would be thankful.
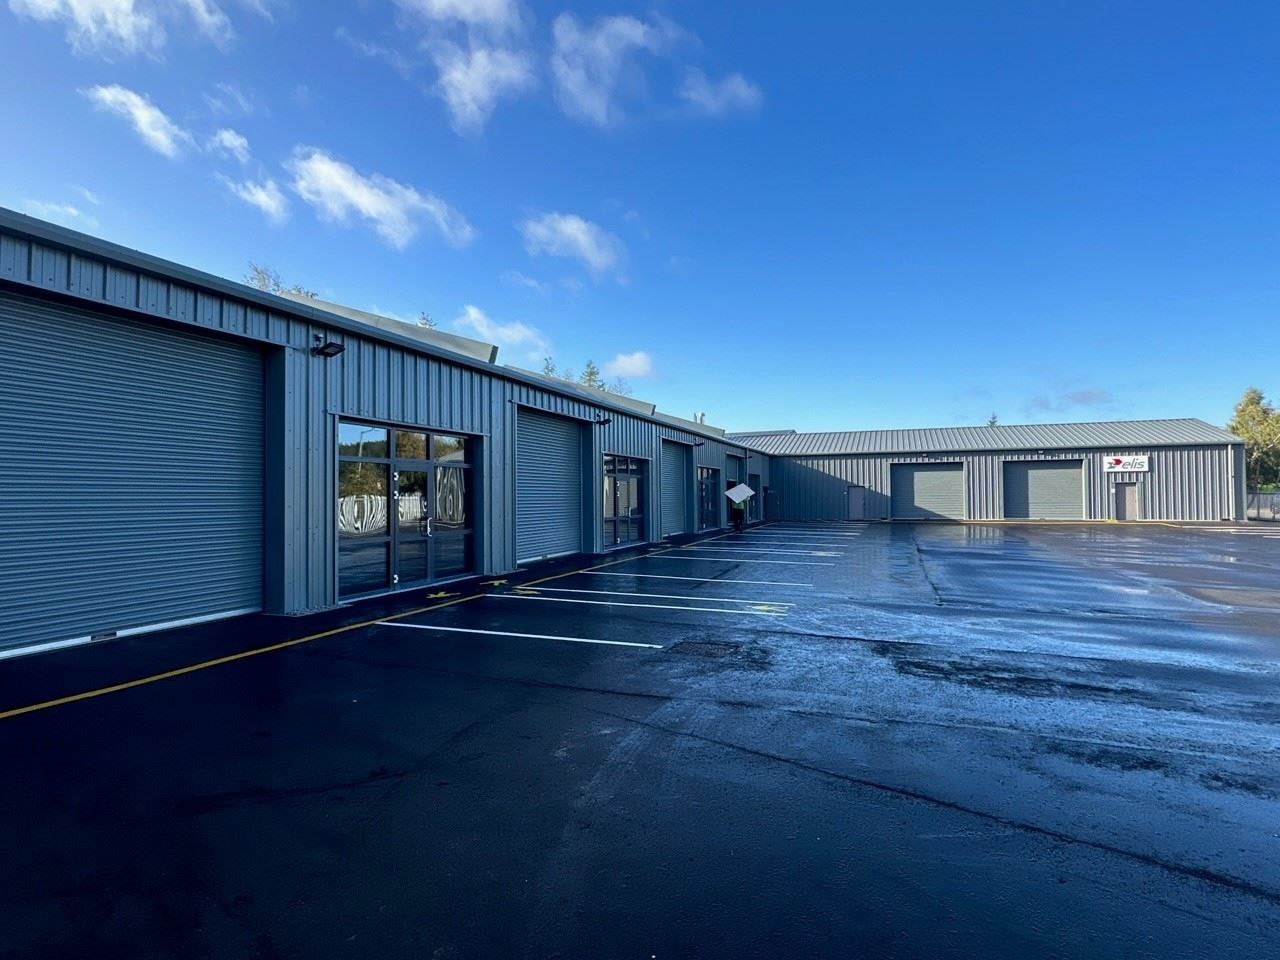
(610, 495)
(362, 565)
(453, 449)
(358, 440)
(411, 446)
(412, 560)
(453, 553)
(452, 508)
(362, 499)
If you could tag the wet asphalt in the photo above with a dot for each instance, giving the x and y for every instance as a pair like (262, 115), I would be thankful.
(807, 740)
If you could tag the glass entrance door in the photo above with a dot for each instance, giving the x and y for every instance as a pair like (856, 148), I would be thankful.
(404, 508)
(709, 496)
(623, 500)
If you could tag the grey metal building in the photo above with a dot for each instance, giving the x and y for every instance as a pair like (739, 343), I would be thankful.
(1129, 470)
(178, 447)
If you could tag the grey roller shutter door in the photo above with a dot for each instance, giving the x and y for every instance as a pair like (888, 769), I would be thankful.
(131, 492)
(927, 491)
(548, 486)
(1044, 490)
(676, 477)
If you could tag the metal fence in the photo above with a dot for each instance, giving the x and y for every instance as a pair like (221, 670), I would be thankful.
(1263, 506)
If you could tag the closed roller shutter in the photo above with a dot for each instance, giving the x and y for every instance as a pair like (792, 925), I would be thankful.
(676, 477)
(548, 486)
(927, 491)
(1044, 490)
(131, 487)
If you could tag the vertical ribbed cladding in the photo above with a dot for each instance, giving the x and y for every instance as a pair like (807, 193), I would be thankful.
(1184, 483)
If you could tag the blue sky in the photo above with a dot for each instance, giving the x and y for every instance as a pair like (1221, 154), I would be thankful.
(820, 216)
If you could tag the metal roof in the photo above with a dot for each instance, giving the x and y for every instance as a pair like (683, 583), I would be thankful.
(462, 351)
(1121, 435)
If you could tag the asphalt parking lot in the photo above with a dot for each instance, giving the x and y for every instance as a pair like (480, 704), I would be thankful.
(806, 740)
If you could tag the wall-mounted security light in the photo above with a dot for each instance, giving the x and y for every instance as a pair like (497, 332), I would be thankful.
(603, 421)
(699, 443)
(326, 348)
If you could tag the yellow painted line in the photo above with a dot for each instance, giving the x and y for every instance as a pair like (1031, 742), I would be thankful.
(219, 661)
(283, 645)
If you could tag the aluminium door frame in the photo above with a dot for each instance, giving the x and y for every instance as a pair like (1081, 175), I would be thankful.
(476, 501)
(647, 480)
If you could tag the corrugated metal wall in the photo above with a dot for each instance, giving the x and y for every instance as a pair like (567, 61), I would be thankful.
(371, 380)
(1184, 483)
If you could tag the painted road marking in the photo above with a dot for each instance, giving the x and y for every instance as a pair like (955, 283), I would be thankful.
(798, 563)
(526, 636)
(743, 548)
(218, 661)
(805, 533)
(667, 576)
(781, 543)
(809, 538)
(658, 596)
(650, 606)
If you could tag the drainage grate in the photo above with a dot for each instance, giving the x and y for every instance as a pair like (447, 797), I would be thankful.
(705, 648)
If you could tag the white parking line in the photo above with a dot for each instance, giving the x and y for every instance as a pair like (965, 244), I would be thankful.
(800, 563)
(668, 576)
(784, 553)
(650, 606)
(527, 636)
(780, 543)
(659, 596)
(789, 536)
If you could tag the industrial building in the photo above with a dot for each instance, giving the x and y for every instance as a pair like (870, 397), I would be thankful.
(1132, 470)
(179, 447)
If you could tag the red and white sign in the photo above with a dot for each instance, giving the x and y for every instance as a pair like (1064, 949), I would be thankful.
(1113, 464)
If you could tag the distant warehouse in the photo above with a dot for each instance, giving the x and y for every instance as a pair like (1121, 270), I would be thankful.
(1126, 470)
(180, 448)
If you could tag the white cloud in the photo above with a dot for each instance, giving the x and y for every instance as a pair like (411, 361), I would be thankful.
(230, 142)
(494, 14)
(63, 213)
(150, 123)
(514, 278)
(261, 7)
(104, 27)
(111, 28)
(734, 92)
(632, 365)
(231, 98)
(589, 62)
(266, 196)
(88, 194)
(211, 20)
(396, 211)
(516, 337)
(472, 81)
(568, 235)
(396, 60)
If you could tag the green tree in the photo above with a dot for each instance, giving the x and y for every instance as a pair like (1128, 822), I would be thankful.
(267, 278)
(993, 421)
(425, 320)
(591, 376)
(1257, 423)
